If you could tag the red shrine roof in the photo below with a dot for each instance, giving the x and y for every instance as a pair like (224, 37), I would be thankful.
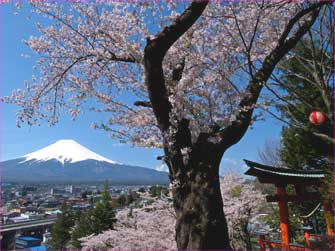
(270, 174)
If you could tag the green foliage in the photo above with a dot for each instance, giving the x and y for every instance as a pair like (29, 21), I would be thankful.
(301, 148)
(81, 229)
(157, 191)
(126, 199)
(296, 221)
(60, 231)
(103, 215)
(268, 189)
(235, 192)
(115, 203)
(96, 220)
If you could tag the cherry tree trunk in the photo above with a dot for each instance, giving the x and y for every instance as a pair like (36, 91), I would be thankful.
(201, 223)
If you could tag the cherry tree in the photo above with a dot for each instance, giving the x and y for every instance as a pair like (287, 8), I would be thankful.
(152, 227)
(184, 76)
(147, 228)
(242, 205)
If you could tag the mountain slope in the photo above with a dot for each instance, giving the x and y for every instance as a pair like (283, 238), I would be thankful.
(65, 150)
(67, 161)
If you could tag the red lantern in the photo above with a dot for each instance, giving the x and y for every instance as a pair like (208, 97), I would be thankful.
(317, 117)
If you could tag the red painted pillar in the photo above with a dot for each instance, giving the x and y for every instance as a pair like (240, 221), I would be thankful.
(261, 242)
(326, 210)
(306, 237)
(284, 220)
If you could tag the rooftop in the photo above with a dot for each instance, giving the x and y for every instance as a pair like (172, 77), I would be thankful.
(275, 175)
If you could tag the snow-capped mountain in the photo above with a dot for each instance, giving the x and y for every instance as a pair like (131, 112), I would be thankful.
(65, 151)
(67, 161)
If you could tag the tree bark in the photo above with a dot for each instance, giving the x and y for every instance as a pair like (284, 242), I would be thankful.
(201, 223)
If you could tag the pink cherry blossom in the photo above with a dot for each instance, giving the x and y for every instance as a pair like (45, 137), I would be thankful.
(95, 51)
(152, 227)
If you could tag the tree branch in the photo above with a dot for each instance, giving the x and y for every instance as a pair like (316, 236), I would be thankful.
(44, 90)
(154, 53)
(233, 133)
(123, 58)
(298, 16)
(172, 33)
(324, 136)
(63, 22)
(143, 103)
(320, 135)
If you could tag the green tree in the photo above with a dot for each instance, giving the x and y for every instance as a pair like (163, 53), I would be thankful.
(306, 79)
(60, 231)
(302, 147)
(96, 220)
(305, 84)
(103, 215)
(157, 191)
(81, 229)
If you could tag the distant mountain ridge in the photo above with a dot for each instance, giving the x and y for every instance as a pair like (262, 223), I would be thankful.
(67, 161)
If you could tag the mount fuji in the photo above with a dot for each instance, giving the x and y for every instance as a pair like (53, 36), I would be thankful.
(67, 161)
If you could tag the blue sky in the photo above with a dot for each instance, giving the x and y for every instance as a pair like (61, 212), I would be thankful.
(16, 142)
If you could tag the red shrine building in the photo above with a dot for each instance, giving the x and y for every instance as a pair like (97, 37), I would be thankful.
(300, 179)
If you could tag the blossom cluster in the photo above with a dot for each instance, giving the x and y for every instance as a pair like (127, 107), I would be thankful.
(242, 203)
(91, 56)
(153, 227)
(147, 228)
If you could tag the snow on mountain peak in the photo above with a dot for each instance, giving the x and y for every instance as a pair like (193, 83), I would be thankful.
(65, 150)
